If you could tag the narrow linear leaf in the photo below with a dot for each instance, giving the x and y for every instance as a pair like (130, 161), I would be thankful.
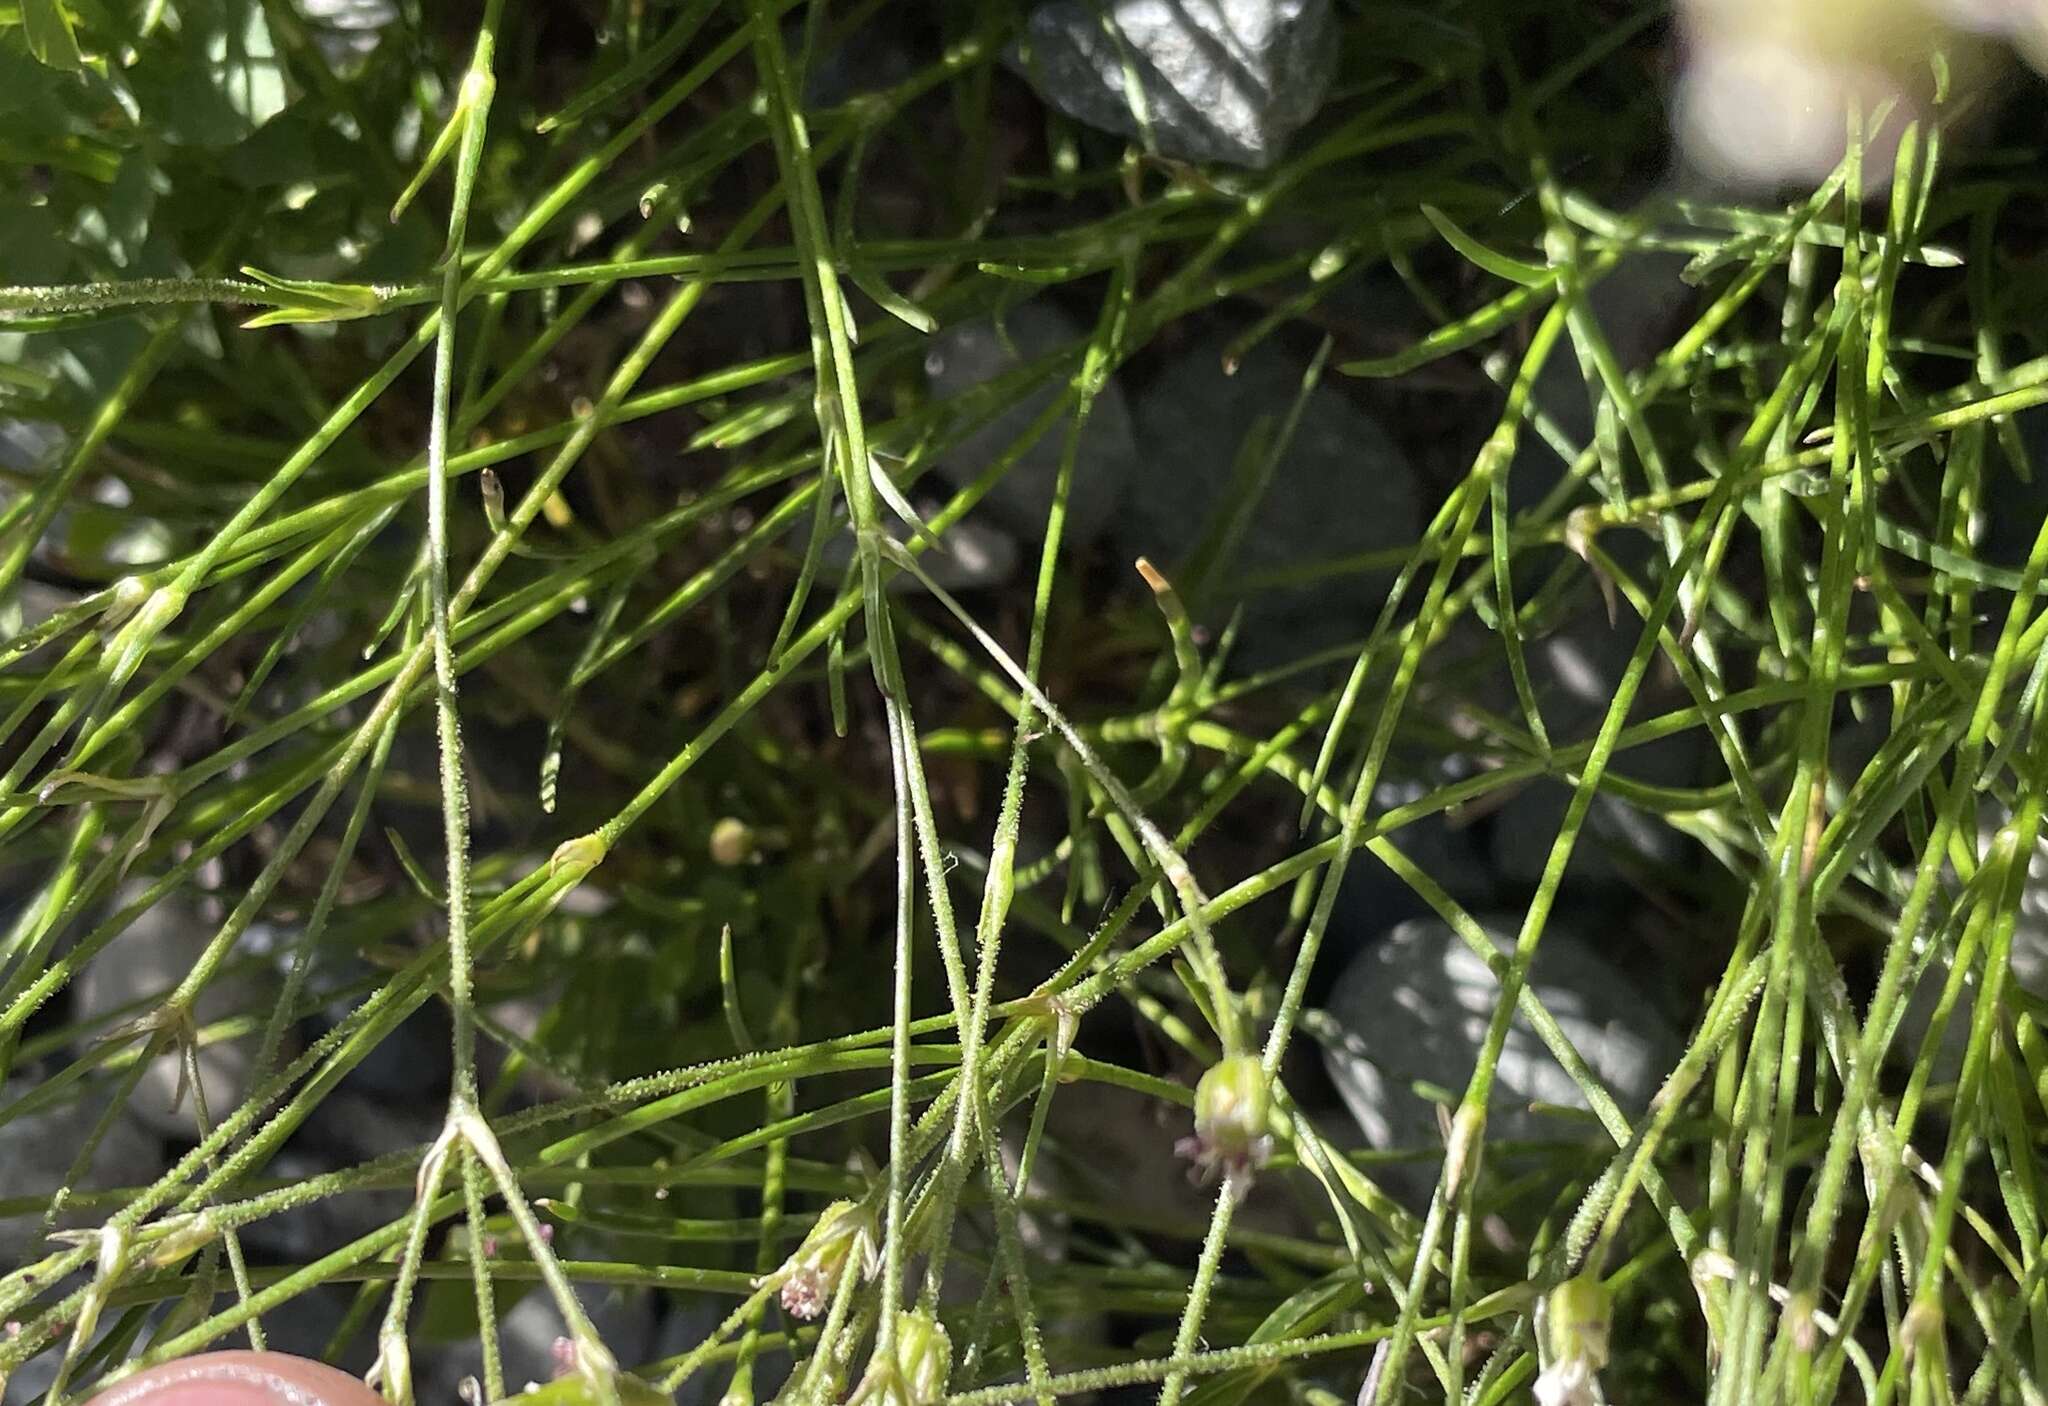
(1492, 260)
(892, 302)
(1456, 336)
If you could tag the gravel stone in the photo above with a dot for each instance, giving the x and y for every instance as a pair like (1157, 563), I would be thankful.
(2027, 970)
(971, 354)
(1415, 1007)
(1218, 80)
(36, 1152)
(348, 30)
(144, 964)
(1342, 488)
(624, 1320)
(972, 556)
(1574, 671)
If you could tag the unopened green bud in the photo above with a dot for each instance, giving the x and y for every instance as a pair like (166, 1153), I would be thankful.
(914, 1371)
(924, 1355)
(1581, 1312)
(1462, 1148)
(1922, 1326)
(392, 1371)
(1232, 1106)
(183, 1237)
(127, 597)
(578, 857)
(1574, 1321)
(131, 643)
(1801, 1325)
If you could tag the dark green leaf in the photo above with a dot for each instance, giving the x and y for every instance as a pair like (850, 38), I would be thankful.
(50, 36)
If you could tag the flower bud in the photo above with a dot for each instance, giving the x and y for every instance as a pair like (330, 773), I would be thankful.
(1574, 1322)
(1232, 1104)
(732, 842)
(578, 857)
(1462, 1149)
(924, 1356)
(812, 1275)
(1581, 1311)
(1801, 1322)
(392, 1371)
(1921, 1326)
(914, 1371)
(182, 1237)
(126, 598)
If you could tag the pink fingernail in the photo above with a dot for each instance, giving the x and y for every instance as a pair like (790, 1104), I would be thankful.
(239, 1379)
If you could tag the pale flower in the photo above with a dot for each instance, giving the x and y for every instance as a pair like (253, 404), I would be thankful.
(1572, 1326)
(1769, 85)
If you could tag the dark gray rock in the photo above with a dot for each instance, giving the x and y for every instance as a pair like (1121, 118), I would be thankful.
(2005, 535)
(527, 1331)
(1636, 305)
(1112, 1145)
(971, 354)
(873, 57)
(1574, 672)
(36, 1151)
(29, 445)
(1341, 488)
(1415, 1007)
(305, 1233)
(305, 1323)
(348, 30)
(687, 1322)
(142, 966)
(1217, 80)
(410, 1068)
(1375, 898)
(2028, 968)
(972, 555)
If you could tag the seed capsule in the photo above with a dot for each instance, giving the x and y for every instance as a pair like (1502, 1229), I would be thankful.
(1233, 1104)
(1575, 1322)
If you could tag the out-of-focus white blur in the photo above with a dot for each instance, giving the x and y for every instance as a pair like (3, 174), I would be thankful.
(1769, 85)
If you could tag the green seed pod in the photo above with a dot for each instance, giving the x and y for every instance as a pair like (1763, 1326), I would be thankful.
(1232, 1104)
(1922, 1326)
(1579, 1314)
